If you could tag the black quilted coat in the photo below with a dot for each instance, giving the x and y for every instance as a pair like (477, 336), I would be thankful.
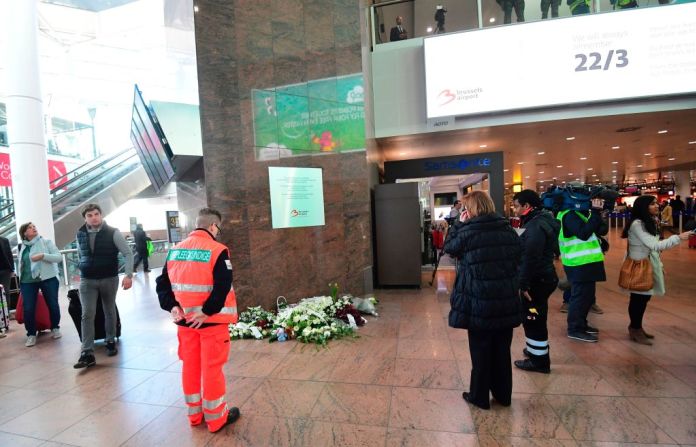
(486, 290)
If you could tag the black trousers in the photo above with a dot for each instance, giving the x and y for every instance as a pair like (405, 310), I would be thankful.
(582, 296)
(491, 368)
(141, 258)
(636, 309)
(508, 5)
(535, 327)
(545, 4)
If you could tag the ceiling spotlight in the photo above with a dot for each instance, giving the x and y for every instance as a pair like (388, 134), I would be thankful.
(614, 171)
(541, 172)
(577, 179)
(483, 145)
(491, 20)
(594, 175)
(402, 153)
(583, 158)
(554, 178)
(541, 153)
(506, 184)
(570, 173)
(615, 147)
(639, 166)
(590, 169)
(527, 177)
(505, 170)
(671, 159)
(520, 162)
(559, 166)
(692, 142)
(662, 131)
(647, 154)
(615, 162)
(570, 138)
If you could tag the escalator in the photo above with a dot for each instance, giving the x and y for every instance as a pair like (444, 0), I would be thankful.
(110, 180)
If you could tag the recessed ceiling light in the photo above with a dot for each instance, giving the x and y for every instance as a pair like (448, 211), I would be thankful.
(590, 169)
(583, 158)
(541, 172)
(614, 171)
(577, 179)
(594, 175)
(692, 142)
(505, 170)
(647, 154)
(402, 153)
(520, 162)
(527, 177)
(615, 162)
(671, 159)
(506, 184)
(570, 138)
(559, 166)
(615, 147)
(483, 145)
(554, 178)
(541, 153)
(570, 173)
(639, 166)
(662, 131)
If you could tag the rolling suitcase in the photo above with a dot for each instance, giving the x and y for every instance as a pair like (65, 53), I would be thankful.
(4, 312)
(43, 317)
(75, 311)
(13, 293)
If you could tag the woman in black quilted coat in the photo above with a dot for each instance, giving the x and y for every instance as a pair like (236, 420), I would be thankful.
(486, 299)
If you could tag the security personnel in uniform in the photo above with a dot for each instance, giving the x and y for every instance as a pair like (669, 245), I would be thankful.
(538, 277)
(196, 288)
(583, 262)
(578, 7)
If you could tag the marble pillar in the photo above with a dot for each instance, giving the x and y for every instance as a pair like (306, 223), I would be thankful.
(247, 45)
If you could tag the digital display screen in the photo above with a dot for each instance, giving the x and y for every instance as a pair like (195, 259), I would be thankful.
(638, 53)
(150, 143)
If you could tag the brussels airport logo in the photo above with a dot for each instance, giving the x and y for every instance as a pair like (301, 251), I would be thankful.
(448, 95)
(299, 213)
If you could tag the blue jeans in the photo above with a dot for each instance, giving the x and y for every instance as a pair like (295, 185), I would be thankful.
(581, 300)
(30, 292)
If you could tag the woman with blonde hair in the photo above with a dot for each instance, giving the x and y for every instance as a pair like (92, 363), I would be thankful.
(38, 270)
(485, 299)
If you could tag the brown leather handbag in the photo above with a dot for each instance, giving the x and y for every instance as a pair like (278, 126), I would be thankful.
(636, 275)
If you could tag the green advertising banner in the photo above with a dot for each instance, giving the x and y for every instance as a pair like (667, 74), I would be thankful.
(320, 116)
(297, 197)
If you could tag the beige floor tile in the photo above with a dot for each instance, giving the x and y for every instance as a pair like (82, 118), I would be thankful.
(18, 402)
(283, 398)
(170, 429)
(353, 404)
(415, 408)
(54, 416)
(12, 440)
(574, 379)
(425, 349)
(164, 388)
(418, 438)
(305, 367)
(111, 425)
(677, 417)
(110, 383)
(418, 373)
(644, 381)
(599, 418)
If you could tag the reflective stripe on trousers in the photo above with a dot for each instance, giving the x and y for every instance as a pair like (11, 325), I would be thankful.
(224, 310)
(213, 404)
(211, 417)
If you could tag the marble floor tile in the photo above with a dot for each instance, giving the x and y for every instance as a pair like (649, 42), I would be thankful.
(54, 416)
(17, 402)
(418, 373)
(677, 417)
(677, 354)
(252, 364)
(170, 429)
(414, 408)
(156, 360)
(109, 383)
(364, 368)
(353, 404)
(283, 398)
(164, 388)
(644, 381)
(344, 435)
(425, 349)
(418, 438)
(486, 440)
(574, 379)
(600, 418)
(111, 425)
(305, 367)
(24, 375)
(432, 327)
(257, 430)
(262, 346)
(686, 374)
(9, 439)
(529, 415)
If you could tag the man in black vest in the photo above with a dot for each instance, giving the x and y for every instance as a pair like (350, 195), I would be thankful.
(98, 246)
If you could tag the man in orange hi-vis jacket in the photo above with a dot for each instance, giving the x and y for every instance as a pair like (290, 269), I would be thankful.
(196, 288)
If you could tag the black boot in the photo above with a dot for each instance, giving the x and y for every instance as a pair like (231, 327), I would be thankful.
(530, 365)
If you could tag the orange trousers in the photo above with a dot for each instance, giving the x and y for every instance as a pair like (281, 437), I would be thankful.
(204, 353)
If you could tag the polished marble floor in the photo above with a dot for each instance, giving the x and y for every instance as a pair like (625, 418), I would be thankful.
(399, 384)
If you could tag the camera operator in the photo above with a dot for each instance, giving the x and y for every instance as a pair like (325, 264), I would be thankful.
(583, 262)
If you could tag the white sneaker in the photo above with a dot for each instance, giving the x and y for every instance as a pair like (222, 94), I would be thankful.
(55, 333)
(31, 341)
(3, 334)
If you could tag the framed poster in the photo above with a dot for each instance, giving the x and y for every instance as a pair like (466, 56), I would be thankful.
(297, 197)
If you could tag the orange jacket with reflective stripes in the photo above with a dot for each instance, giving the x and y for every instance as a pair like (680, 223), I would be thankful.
(190, 267)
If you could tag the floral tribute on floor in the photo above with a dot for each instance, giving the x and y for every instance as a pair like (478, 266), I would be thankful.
(312, 320)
